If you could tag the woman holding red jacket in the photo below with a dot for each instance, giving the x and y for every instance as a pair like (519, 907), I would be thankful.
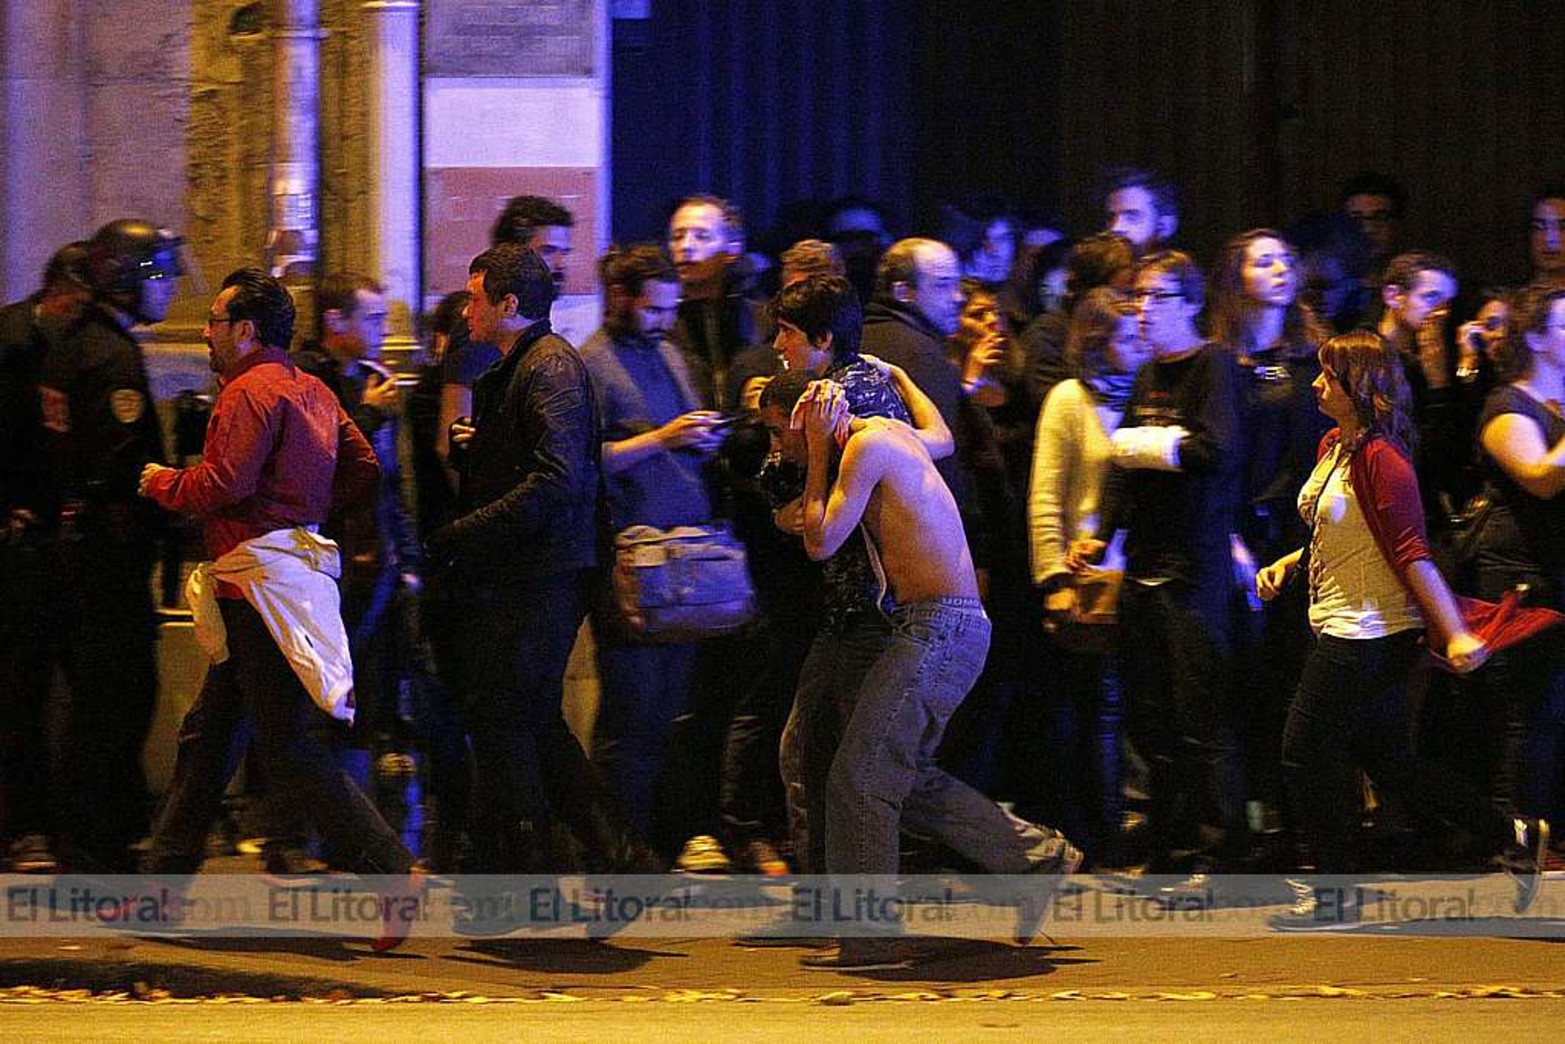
(1373, 591)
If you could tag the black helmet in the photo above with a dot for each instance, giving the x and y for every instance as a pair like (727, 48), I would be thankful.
(123, 254)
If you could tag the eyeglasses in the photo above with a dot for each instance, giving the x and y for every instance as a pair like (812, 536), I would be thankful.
(213, 320)
(1149, 296)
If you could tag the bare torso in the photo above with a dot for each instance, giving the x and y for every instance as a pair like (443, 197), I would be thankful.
(911, 516)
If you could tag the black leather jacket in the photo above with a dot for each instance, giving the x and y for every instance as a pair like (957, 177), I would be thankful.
(530, 475)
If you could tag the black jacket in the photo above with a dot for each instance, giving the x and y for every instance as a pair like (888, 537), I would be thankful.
(530, 475)
(22, 343)
(900, 335)
(379, 535)
(100, 425)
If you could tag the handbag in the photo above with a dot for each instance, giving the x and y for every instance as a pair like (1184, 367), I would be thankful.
(1456, 547)
(683, 583)
(1093, 620)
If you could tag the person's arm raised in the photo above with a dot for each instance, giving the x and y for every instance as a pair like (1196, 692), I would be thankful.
(833, 509)
(928, 425)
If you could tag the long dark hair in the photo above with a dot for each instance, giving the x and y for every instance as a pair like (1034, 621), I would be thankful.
(1370, 371)
(1301, 331)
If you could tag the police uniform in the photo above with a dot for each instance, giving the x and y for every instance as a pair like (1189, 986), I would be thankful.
(25, 665)
(99, 430)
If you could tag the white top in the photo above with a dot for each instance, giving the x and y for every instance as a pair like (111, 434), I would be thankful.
(1354, 592)
(1071, 455)
(290, 577)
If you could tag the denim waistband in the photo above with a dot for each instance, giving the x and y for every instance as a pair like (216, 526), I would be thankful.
(952, 602)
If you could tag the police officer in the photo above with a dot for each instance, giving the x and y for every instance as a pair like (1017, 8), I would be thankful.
(100, 429)
(25, 594)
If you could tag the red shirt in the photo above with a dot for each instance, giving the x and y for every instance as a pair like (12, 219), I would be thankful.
(279, 449)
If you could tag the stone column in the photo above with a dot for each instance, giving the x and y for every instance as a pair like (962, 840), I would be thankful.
(294, 233)
(45, 158)
(395, 224)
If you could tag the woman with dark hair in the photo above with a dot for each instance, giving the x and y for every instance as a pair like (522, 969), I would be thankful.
(1522, 544)
(1072, 455)
(1373, 592)
(1257, 315)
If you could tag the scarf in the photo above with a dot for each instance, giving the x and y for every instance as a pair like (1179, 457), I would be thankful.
(1112, 389)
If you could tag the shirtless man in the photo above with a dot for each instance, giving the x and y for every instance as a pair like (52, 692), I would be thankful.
(872, 479)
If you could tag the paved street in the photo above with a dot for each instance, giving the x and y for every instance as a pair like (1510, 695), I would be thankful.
(1140, 979)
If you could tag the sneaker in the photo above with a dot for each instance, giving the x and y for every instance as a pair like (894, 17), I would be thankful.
(1524, 861)
(31, 855)
(1318, 909)
(864, 955)
(1058, 866)
(703, 854)
(1193, 891)
(761, 857)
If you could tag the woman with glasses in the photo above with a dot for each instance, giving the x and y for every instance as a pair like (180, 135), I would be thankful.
(1373, 593)
(1522, 545)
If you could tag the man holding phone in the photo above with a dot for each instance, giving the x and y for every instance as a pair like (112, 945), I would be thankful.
(656, 444)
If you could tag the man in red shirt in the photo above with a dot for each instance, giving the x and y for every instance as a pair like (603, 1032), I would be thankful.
(279, 449)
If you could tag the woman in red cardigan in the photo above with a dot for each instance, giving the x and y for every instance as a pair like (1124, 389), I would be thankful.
(1373, 593)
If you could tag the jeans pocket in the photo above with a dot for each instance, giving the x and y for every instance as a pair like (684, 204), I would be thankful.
(926, 629)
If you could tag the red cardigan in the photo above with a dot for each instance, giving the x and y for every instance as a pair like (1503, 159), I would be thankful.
(1387, 490)
(1386, 487)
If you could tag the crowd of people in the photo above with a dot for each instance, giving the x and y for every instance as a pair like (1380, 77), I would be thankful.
(1034, 530)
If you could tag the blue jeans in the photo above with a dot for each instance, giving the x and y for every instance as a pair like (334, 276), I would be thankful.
(1526, 694)
(835, 668)
(884, 772)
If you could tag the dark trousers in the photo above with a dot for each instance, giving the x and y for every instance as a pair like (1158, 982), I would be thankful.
(255, 690)
(26, 664)
(103, 634)
(752, 793)
(1271, 648)
(643, 688)
(1179, 713)
(510, 646)
(1525, 688)
(1066, 749)
(1350, 713)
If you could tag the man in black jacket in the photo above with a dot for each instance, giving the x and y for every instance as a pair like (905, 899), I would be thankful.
(514, 566)
(716, 320)
(379, 546)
